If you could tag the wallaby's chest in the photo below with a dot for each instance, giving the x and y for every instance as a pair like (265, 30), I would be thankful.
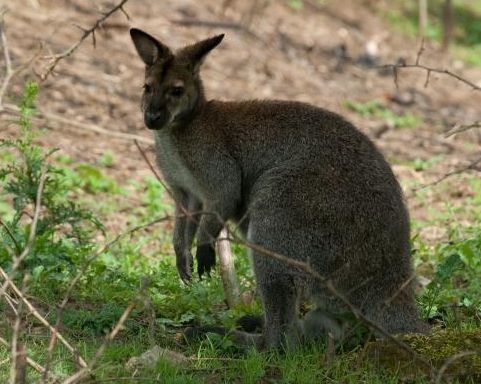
(174, 166)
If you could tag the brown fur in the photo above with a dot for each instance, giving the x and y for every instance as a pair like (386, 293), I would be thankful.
(298, 179)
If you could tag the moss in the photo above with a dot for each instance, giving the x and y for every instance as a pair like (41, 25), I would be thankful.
(437, 347)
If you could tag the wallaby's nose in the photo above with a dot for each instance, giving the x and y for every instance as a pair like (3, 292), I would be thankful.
(156, 119)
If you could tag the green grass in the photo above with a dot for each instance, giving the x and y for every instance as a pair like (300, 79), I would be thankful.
(466, 42)
(145, 259)
(374, 109)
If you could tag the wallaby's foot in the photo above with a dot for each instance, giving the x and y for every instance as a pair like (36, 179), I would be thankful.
(251, 323)
(205, 259)
(185, 263)
(198, 332)
(240, 338)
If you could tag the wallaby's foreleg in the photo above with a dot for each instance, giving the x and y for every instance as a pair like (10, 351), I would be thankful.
(211, 224)
(210, 227)
(184, 232)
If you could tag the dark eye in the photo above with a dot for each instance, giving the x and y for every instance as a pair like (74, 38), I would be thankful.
(147, 88)
(177, 91)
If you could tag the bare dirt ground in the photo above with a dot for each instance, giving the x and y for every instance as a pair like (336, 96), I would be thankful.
(270, 51)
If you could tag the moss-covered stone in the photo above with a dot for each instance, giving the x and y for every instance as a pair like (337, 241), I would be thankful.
(443, 349)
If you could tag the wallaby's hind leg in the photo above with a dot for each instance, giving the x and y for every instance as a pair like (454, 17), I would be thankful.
(279, 296)
(398, 314)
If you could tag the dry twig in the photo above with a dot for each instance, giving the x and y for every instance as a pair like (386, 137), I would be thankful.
(458, 128)
(473, 165)
(8, 62)
(30, 362)
(37, 314)
(66, 123)
(10, 72)
(18, 368)
(33, 231)
(116, 329)
(90, 32)
(451, 360)
(429, 70)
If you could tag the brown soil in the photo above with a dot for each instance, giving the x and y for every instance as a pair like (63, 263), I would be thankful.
(271, 51)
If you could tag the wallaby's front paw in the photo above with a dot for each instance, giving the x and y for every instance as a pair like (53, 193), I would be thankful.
(185, 263)
(205, 258)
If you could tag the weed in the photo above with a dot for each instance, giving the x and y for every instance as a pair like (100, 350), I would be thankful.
(374, 108)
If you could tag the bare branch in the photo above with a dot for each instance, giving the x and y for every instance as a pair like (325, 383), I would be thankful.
(10, 234)
(157, 176)
(420, 51)
(429, 70)
(33, 231)
(66, 123)
(227, 270)
(458, 128)
(104, 248)
(37, 314)
(18, 368)
(111, 336)
(6, 54)
(10, 72)
(451, 360)
(471, 166)
(30, 362)
(88, 32)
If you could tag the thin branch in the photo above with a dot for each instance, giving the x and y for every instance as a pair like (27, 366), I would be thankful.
(30, 361)
(451, 360)
(104, 248)
(159, 179)
(420, 51)
(111, 336)
(10, 72)
(10, 234)
(33, 231)
(458, 128)
(37, 314)
(428, 70)
(81, 272)
(8, 62)
(18, 352)
(87, 33)
(83, 126)
(469, 167)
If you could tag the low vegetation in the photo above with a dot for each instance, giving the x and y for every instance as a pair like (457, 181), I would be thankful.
(138, 267)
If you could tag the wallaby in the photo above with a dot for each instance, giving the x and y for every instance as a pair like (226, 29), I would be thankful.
(299, 180)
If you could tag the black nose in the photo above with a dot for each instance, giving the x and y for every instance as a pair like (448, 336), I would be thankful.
(156, 119)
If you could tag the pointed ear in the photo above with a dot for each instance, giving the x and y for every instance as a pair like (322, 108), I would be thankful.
(196, 53)
(149, 49)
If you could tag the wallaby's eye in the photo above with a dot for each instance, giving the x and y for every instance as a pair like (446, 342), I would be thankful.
(177, 91)
(147, 88)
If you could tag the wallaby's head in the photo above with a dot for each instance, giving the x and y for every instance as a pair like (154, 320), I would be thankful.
(172, 88)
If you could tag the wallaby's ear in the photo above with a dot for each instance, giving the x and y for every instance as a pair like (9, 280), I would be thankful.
(149, 49)
(196, 53)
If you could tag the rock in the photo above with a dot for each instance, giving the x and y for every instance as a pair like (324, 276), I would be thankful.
(152, 356)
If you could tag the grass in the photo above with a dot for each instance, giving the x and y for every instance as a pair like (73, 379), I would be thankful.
(466, 44)
(374, 109)
(452, 299)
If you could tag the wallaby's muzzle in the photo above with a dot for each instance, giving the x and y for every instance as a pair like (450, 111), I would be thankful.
(156, 120)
